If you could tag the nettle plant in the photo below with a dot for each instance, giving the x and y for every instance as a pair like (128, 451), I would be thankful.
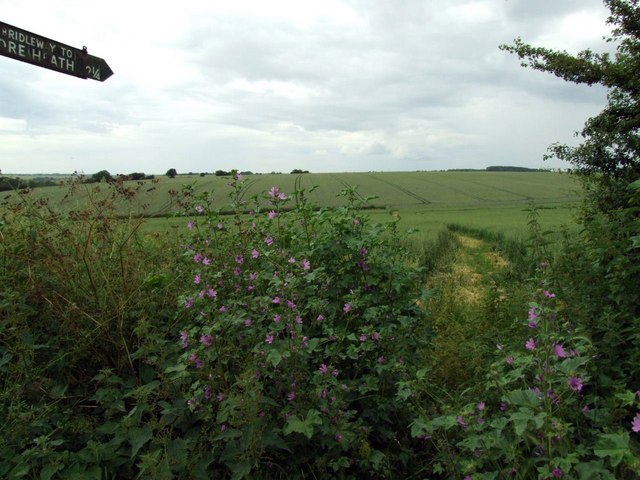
(540, 418)
(303, 324)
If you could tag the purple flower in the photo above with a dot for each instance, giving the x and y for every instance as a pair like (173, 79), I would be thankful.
(530, 344)
(504, 407)
(190, 225)
(212, 293)
(239, 259)
(375, 336)
(559, 351)
(206, 261)
(557, 472)
(320, 318)
(347, 307)
(248, 322)
(363, 338)
(275, 192)
(184, 339)
(197, 279)
(381, 359)
(200, 209)
(291, 396)
(198, 257)
(255, 253)
(533, 324)
(548, 294)
(306, 264)
(324, 369)
(277, 318)
(270, 338)
(299, 320)
(206, 340)
(195, 359)
(272, 214)
(292, 260)
(575, 383)
(461, 421)
(509, 360)
(276, 300)
(533, 313)
(207, 392)
(635, 423)
(188, 303)
(481, 406)
(339, 437)
(269, 240)
(290, 304)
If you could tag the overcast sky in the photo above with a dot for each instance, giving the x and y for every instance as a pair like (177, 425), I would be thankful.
(273, 85)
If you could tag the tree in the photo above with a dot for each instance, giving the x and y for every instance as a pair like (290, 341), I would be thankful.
(171, 173)
(608, 158)
(599, 269)
(101, 175)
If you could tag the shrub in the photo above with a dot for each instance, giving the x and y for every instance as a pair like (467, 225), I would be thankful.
(304, 328)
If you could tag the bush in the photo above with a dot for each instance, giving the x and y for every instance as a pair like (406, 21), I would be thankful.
(304, 329)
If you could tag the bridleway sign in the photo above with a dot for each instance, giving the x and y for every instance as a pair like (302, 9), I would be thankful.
(44, 52)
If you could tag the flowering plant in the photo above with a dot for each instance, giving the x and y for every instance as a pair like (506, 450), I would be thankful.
(539, 418)
(302, 325)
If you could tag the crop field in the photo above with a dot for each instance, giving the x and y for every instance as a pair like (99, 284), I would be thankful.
(425, 201)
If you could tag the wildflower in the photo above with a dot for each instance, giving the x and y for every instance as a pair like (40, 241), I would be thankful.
(635, 423)
(481, 406)
(255, 253)
(291, 396)
(223, 428)
(290, 304)
(190, 225)
(299, 320)
(222, 309)
(239, 259)
(275, 192)
(206, 340)
(480, 421)
(335, 372)
(530, 344)
(559, 350)
(375, 336)
(248, 322)
(206, 261)
(197, 279)
(277, 318)
(381, 359)
(207, 392)
(363, 338)
(339, 437)
(575, 383)
(533, 313)
(272, 214)
(276, 300)
(557, 472)
(548, 294)
(184, 339)
(306, 264)
(269, 241)
(188, 303)
(533, 324)
(197, 360)
(198, 257)
(509, 360)
(324, 369)
(211, 293)
(320, 318)
(586, 409)
(270, 338)
(461, 421)
(504, 407)
(292, 260)
(200, 209)
(347, 307)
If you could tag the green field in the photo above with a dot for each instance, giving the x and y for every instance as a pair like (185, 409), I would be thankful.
(422, 200)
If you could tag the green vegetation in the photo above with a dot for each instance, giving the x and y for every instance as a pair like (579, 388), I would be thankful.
(276, 331)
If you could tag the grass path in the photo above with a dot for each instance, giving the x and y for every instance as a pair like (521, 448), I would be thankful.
(476, 307)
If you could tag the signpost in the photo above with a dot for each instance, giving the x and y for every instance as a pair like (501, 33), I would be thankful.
(44, 52)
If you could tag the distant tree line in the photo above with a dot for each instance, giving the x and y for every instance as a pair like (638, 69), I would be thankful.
(17, 183)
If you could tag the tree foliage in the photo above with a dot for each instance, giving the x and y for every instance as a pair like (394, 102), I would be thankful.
(608, 157)
(171, 173)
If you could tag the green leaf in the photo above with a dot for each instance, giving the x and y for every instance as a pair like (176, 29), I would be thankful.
(49, 471)
(275, 357)
(305, 427)
(240, 469)
(520, 420)
(627, 398)
(138, 437)
(524, 398)
(613, 445)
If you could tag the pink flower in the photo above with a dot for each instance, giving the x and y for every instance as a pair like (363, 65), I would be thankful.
(206, 340)
(200, 209)
(347, 307)
(290, 304)
(481, 406)
(320, 318)
(559, 350)
(306, 264)
(461, 421)
(291, 396)
(557, 472)
(339, 437)
(272, 214)
(255, 253)
(190, 225)
(206, 261)
(635, 423)
(270, 339)
(533, 313)
(220, 396)
(197, 279)
(509, 360)
(248, 322)
(530, 344)
(548, 294)
(363, 338)
(269, 241)
(324, 369)
(276, 300)
(575, 383)
(277, 318)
